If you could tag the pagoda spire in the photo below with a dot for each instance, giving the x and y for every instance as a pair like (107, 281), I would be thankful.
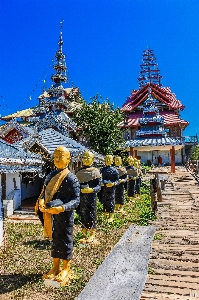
(60, 64)
(149, 72)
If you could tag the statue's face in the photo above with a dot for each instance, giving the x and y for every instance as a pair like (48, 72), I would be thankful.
(109, 160)
(87, 158)
(118, 161)
(131, 161)
(61, 158)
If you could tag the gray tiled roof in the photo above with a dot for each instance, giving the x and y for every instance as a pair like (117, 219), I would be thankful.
(162, 141)
(13, 159)
(50, 139)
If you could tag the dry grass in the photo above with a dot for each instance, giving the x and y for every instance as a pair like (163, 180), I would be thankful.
(27, 255)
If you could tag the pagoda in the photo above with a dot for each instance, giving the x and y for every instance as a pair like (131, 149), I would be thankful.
(169, 106)
(39, 130)
(54, 110)
(151, 141)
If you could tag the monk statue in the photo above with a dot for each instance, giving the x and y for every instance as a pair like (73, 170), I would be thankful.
(132, 173)
(119, 191)
(90, 184)
(139, 177)
(58, 199)
(110, 179)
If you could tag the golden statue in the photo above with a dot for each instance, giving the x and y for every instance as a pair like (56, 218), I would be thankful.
(58, 199)
(90, 184)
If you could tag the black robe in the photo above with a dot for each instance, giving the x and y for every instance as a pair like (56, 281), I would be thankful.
(119, 192)
(132, 172)
(109, 174)
(87, 208)
(62, 223)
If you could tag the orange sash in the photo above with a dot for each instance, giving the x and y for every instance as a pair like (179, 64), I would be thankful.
(51, 189)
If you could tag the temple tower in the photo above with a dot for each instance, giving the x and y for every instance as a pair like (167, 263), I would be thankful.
(149, 72)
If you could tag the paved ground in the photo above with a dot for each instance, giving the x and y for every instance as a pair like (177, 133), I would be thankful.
(174, 261)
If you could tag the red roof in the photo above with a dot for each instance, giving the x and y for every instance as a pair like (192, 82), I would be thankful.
(170, 118)
(163, 94)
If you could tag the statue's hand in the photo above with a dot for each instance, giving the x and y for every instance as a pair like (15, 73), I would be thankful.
(55, 210)
(87, 190)
(102, 184)
(42, 206)
(110, 184)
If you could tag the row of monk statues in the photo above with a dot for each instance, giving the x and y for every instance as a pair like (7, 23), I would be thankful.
(63, 192)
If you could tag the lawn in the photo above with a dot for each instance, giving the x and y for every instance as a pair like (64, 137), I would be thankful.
(26, 255)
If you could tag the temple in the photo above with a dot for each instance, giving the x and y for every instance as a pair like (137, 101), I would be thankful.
(169, 106)
(152, 142)
(55, 107)
(150, 87)
(41, 129)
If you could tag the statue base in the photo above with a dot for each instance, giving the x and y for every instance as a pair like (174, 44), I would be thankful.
(52, 283)
(56, 284)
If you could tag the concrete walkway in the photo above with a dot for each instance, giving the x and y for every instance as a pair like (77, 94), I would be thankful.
(123, 273)
(174, 261)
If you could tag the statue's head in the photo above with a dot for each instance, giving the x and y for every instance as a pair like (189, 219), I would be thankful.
(109, 160)
(118, 161)
(138, 161)
(61, 157)
(130, 160)
(88, 158)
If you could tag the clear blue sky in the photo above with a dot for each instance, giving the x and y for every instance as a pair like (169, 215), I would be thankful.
(103, 43)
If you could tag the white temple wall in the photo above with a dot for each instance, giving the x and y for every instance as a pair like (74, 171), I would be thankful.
(11, 179)
(32, 189)
(165, 155)
(13, 189)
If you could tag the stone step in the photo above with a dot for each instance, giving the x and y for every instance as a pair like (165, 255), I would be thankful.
(24, 212)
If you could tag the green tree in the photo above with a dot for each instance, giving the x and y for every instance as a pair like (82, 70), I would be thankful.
(98, 122)
(195, 153)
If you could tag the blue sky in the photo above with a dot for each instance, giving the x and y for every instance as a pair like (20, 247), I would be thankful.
(103, 44)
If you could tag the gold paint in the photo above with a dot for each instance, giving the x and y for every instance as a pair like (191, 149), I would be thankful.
(61, 157)
(88, 158)
(118, 161)
(108, 160)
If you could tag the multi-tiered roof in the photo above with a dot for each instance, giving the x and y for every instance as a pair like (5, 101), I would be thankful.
(49, 124)
(152, 134)
(56, 98)
(149, 81)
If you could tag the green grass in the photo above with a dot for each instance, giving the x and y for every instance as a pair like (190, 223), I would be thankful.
(27, 254)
